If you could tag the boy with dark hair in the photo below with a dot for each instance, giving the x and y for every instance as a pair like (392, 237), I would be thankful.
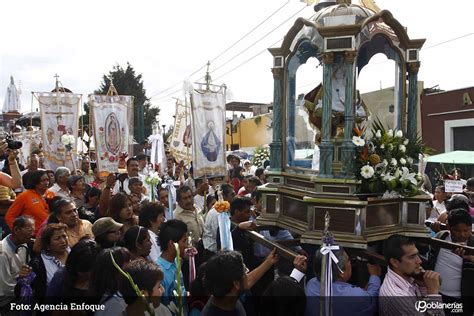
(456, 267)
(171, 232)
(226, 280)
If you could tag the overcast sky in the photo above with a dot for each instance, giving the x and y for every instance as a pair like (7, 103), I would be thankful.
(166, 41)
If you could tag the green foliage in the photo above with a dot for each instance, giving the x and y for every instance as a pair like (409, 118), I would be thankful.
(128, 83)
(260, 154)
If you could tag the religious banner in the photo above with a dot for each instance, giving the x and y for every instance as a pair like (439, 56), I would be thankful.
(31, 141)
(208, 130)
(112, 119)
(59, 123)
(180, 144)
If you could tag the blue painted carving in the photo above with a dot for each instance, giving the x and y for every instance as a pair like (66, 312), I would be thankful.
(348, 148)
(326, 147)
(276, 145)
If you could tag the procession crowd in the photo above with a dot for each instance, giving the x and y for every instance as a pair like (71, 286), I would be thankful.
(69, 239)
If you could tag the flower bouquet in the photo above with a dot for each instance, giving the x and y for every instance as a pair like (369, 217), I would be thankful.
(153, 180)
(385, 162)
(260, 155)
(68, 141)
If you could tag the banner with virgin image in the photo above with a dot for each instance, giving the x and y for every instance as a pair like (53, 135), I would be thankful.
(59, 124)
(112, 120)
(208, 130)
(181, 140)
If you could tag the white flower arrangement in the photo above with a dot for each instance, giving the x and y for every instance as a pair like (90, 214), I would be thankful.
(260, 155)
(367, 172)
(358, 141)
(68, 141)
(399, 134)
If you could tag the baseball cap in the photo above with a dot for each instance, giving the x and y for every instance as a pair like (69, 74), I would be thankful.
(104, 225)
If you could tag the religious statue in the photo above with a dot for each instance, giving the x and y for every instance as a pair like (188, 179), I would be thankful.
(12, 98)
(112, 134)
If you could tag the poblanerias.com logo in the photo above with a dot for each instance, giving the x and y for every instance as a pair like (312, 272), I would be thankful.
(423, 306)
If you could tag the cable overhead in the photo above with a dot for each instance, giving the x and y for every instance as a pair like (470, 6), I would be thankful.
(254, 43)
(225, 50)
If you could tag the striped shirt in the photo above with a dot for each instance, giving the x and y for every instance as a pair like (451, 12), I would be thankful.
(399, 295)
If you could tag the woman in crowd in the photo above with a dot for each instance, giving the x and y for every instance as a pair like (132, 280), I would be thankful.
(147, 276)
(121, 210)
(104, 281)
(137, 241)
(54, 252)
(107, 232)
(152, 215)
(237, 178)
(31, 201)
(91, 200)
(77, 188)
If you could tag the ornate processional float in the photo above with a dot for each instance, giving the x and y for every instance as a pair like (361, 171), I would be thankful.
(356, 168)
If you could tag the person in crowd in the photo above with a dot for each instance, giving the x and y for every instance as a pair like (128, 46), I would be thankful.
(187, 212)
(249, 170)
(198, 293)
(66, 213)
(122, 184)
(214, 184)
(250, 186)
(60, 186)
(237, 178)
(439, 200)
(404, 264)
(14, 259)
(33, 164)
(143, 165)
(456, 268)
(260, 174)
(202, 188)
(234, 161)
(171, 232)
(469, 192)
(86, 170)
(107, 232)
(31, 202)
(54, 252)
(135, 185)
(456, 201)
(12, 178)
(163, 198)
(148, 277)
(121, 210)
(77, 190)
(152, 216)
(40, 155)
(137, 241)
(51, 178)
(71, 283)
(210, 201)
(290, 288)
(91, 199)
(361, 302)
(225, 279)
(211, 224)
(104, 285)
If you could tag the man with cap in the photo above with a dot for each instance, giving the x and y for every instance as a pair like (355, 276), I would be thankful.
(107, 232)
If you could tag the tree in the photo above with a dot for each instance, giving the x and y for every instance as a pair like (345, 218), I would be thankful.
(128, 83)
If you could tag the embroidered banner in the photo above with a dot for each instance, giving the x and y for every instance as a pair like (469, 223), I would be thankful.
(31, 140)
(112, 119)
(59, 124)
(181, 140)
(208, 130)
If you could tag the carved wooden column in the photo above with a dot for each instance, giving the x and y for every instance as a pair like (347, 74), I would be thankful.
(348, 148)
(412, 121)
(276, 145)
(326, 147)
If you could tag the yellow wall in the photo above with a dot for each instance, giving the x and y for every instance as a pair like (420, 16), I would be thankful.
(249, 133)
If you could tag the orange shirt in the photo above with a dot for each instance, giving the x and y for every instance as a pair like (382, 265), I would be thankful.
(28, 203)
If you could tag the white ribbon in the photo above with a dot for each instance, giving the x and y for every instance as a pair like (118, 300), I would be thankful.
(328, 249)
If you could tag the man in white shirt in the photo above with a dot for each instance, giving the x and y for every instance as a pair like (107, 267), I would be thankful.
(121, 185)
(439, 199)
(60, 187)
(14, 259)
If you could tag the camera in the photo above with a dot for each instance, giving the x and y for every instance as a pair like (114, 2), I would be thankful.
(13, 144)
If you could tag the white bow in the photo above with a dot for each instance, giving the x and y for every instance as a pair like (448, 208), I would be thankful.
(328, 249)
